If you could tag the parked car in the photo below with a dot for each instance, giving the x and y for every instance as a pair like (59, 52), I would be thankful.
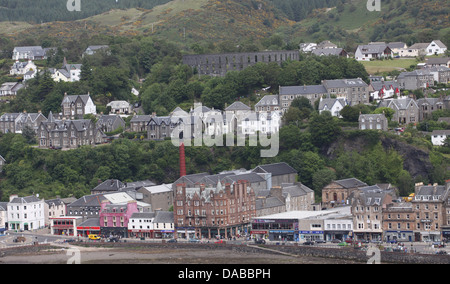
(349, 241)
(336, 241)
(219, 242)
(441, 252)
(94, 237)
(342, 244)
(308, 243)
(194, 240)
(260, 241)
(320, 241)
(19, 239)
(172, 241)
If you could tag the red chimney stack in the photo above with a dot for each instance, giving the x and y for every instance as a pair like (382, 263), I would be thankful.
(182, 161)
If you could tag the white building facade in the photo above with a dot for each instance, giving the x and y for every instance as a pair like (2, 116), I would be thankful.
(25, 213)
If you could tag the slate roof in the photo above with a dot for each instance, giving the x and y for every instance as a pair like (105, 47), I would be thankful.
(164, 217)
(109, 185)
(269, 100)
(297, 189)
(73, 98)
(27, 199)
(237, 106)
(350, 183)
(91, 222)
(344, 83)
(300, 90)
(276, 169)
(328, 51)
(89, 200)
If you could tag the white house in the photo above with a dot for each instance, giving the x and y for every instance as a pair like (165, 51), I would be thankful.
(21, 68)
(3, 217)
(380, 90)
(68, 73)
(25, 213)
(332, 105)
(92, 49)
(436, 47)
(439, 136)
(373, 51)
(415, 50)
(10, 89)
(264, 122)
(28, 52)
(308, 47)
(120, 107)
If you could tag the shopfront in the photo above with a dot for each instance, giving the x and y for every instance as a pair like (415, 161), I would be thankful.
(275, 229)
(66, 226)
(89, 227)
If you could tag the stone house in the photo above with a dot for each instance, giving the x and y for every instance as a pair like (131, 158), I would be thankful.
(288, 94)
(139, 123)
(354, 91)
(76, 106)
(373, 122)
(417, 79)
(109, 123)
(406, 110)
(268, 103)
(67, 133)
(427, 106)
(29, 52)
(15, 122)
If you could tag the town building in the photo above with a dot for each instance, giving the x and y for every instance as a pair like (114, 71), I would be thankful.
(373, 51)
(206, 212)
(367, 204)
(417, 79)
(114, 218)
(334, 106)
(399, 223)
(54, 208)
(25, 213)
(110, 123)
(9, 90)
(160, 197)
(430, 204)
(438, 137)
(338, 192)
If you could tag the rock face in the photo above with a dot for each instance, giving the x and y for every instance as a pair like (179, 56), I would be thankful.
(416, 161)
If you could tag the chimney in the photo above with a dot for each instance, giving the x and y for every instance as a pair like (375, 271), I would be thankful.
(182, 161)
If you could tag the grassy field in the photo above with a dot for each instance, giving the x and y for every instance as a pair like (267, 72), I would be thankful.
(380, 66)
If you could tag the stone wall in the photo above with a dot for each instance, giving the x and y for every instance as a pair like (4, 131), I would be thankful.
(220, 64)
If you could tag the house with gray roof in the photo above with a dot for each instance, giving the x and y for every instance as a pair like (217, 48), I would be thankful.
(367, 204)
(429, 105)
(417, 79)
(373, 122)
(438, 137)
(380, 90)
(110, 123)
(289, 93)
(337, 192)
(354, 91)
(9, 90)
(76, 106)
(15, 122)
(277, 173)
(138, 123)
(438, 62)
(25, 213)
(406, 110)
(330, 52)
(29, 52)
(436, 47)
(373, 51)
(268, 103)
(333, 105)
(68, 134)
(92, 49)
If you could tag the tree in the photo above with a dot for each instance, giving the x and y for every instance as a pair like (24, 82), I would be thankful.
(324, 129)
(322, 178)
(388, 112)
(350, 114)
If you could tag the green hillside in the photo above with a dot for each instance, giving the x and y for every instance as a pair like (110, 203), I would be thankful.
(188, 22)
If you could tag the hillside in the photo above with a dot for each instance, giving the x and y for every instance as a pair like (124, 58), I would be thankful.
(346, 22)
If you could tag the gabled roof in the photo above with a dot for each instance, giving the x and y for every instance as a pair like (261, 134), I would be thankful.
(237, 106)
(27, 199)
(275, 169)
(303, 90)
(350, 183)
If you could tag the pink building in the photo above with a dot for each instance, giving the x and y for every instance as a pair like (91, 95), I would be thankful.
(114, 218)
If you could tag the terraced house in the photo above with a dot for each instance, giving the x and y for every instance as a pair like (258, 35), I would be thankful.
(67, 133)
